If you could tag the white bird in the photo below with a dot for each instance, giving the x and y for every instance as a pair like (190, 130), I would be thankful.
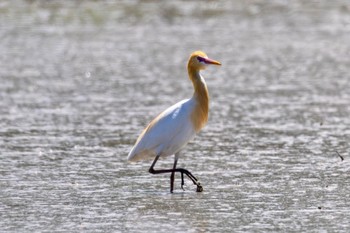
(171, 130)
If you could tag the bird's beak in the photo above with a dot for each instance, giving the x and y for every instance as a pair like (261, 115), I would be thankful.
(211, 62)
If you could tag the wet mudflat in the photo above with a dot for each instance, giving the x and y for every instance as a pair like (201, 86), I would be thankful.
(80, 80)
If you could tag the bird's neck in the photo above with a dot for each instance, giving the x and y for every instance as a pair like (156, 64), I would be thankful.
(199, 115)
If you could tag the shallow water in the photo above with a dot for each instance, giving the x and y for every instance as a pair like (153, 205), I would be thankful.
(80, 80)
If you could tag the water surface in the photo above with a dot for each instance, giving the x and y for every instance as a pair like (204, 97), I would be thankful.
(80, 80)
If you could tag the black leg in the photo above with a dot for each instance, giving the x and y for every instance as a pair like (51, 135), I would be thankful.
(181, 170)
(172, 176)
(182, 181)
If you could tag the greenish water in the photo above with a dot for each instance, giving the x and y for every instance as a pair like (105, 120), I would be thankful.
(79, 80)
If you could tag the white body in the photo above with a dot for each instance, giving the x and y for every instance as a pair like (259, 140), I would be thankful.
(167, 134)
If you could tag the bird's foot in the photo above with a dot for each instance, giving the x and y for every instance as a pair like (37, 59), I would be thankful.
(199, 187)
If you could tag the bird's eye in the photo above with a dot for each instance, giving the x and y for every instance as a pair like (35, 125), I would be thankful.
(201, 59)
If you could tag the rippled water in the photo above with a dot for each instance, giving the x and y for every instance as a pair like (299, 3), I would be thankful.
(80, 80)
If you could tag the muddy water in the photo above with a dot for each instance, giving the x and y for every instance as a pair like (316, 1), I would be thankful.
(79, 81)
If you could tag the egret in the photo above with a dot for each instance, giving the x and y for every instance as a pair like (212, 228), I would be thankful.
(169, 132)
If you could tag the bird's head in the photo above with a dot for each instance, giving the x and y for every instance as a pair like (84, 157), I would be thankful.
(199, 61)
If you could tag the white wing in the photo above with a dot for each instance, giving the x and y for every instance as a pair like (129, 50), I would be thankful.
(167, 134)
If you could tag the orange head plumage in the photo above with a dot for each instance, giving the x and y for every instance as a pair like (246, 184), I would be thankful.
(199, 61)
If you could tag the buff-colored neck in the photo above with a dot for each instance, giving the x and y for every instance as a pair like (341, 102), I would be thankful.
(199, 116)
